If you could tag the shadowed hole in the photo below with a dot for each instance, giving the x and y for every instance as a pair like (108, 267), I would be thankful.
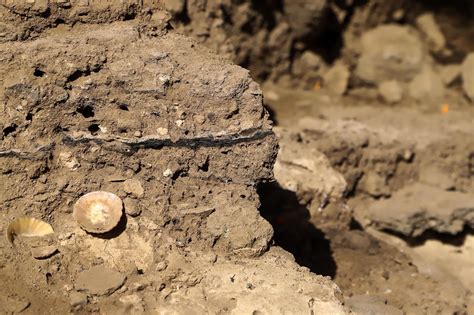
(94, 128)
(86, 111)
(38, 73)
(10, 129)
(293, 231)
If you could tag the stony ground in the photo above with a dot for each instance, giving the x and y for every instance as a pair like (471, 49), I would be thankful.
(368, 207)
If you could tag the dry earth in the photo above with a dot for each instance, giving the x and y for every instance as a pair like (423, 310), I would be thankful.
(368, 208)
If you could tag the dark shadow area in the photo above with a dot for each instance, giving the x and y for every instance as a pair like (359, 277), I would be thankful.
(453, 240)
(272, 115)
(355, 225)
(293, 231)
(330, 42)
(267, 9)
(116, 231)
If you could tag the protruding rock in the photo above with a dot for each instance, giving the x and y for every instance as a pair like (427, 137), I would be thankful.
(390, 91)
(305, 170)
(240, 230)
(468, 76)
(337, 78)
(390, 52)
(450, 74)
(99, 280)
(77, 299)
(309, 61)
(417, 208)
(427, 86)
(309, 68)
(427, 25)
(134, 187)
(175, 6)
(131, 207)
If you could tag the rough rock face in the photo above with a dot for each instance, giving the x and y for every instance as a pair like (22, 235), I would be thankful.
(377, 166)
(390, 52)
(367, 158)
(418, 208)
(302, 168)
(468, 76)
(159, 119)
(427, 86)
(307, 173)
(178, 133)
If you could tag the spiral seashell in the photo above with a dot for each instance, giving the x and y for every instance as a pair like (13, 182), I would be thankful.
(28, 227)
(98, 211)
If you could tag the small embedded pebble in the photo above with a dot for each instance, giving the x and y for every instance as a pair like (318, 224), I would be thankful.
(162, 131)
(390, 91)
(200, 119)
(99, 280)
(162, 265)
(77, 299)
(137, 134)
(131, 207)
(134, 187)
(167, 173)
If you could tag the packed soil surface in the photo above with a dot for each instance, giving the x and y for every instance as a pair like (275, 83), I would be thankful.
(414, 274)
(341, 183)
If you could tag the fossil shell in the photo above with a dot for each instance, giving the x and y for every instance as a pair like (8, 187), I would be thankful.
(98, 211)
(28, 227)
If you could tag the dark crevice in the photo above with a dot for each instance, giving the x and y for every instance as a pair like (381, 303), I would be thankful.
(178, 174)
(355, 225)
(454, 240)
(38, 73)
(94, 128)
(83, 73)
(59, 21)
(205, 166)
(9, 130)
(77, 74)
(272, 115)
(293, 231)
(86, 111)
(123, 107)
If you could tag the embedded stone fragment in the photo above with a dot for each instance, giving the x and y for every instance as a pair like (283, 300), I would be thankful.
(131, 207)
(337, 79)
(99, 280)
(390, 91)
(427, 24)
(390, 52)
(417, 208)
(427, 86)
(77, 299)
(468, 76)
(450, 74)
(134, 187)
